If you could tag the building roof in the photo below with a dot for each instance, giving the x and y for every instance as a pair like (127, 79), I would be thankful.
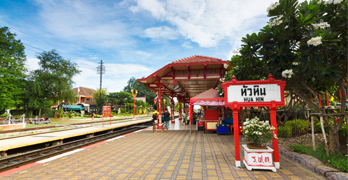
(141, 99)
(87, 92)
(187, 77)
(197, 59)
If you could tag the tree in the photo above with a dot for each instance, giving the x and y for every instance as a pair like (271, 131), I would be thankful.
(143, 91)
(12, 69)
(120, 98)
(52, 82)
(100, 98)
(305, 45)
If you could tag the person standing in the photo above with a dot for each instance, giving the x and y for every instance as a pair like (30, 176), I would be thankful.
(154, 121)
(166, 118)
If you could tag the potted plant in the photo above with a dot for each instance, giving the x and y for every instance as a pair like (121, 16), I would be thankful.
(257, 155)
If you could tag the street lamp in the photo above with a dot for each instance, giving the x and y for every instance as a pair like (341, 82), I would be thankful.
(134, 95)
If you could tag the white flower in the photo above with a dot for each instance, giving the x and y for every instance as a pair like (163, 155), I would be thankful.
(315, 41)
(321, 25)
(333, 1)
(273, 6)
(286, 27)
(277, 21)
(295, 63)
(287, 73)
(225, 66)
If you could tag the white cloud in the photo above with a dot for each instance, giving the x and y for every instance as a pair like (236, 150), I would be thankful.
(142, 53)
(89, 22)
(115, 78)
(208, 22)
(160, 32)
(187, 44)
(32, 64)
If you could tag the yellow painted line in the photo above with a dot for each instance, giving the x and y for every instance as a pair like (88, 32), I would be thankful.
(74, 135)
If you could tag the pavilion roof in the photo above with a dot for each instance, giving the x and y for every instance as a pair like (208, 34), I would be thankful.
(187, 77)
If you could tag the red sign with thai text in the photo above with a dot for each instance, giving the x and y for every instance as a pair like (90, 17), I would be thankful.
(106, 111)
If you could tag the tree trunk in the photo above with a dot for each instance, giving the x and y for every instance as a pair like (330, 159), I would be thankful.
(334, 142)
(39, 112)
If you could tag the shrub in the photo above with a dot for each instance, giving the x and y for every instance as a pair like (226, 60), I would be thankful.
(284, 131)
(288, 130)
(75, 114)
(70, 114)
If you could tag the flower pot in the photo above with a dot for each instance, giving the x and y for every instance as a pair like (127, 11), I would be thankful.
(258, 158)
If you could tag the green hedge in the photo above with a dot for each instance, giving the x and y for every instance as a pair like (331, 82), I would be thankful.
(288, 130)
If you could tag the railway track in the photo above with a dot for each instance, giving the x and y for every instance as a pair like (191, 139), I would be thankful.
(36, 155)
(47, 127)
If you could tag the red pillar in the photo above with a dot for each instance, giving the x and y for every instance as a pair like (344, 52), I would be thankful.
(273, 113)
(159, 126)
(327, 99)
(133, 107)
(191, 112)
(236, 137)
(319, 98)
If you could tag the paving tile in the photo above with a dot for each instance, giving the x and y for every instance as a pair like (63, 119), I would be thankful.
(138, 156)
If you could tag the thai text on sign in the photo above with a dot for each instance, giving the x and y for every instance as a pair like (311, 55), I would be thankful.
(254, 93)
(106, 111)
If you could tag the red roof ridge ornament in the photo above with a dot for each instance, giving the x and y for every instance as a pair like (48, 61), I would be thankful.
(197, 58)
(270, 77)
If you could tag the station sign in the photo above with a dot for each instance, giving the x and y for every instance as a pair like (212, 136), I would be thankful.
(106, 111)
(254, 93)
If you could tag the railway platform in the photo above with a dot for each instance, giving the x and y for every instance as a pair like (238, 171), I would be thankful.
(58, 137)
(147, 155)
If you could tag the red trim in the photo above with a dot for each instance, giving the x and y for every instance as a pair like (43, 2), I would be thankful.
(259, 165)
(18, 169)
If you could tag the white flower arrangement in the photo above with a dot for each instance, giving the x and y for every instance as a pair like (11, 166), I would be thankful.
(315, 41)
(287, 73)
(260, 132)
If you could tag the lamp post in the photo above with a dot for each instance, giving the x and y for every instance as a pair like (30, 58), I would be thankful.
(134, 94)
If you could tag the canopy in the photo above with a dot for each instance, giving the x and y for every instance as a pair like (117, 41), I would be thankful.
(187, 77)
(208, 98)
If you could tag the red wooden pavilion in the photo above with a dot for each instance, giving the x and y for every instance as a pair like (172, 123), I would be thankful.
(186, 78)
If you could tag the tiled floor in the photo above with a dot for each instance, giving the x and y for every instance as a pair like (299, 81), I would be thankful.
(172, 155)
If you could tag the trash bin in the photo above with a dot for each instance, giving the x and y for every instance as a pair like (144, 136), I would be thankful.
(222, 128)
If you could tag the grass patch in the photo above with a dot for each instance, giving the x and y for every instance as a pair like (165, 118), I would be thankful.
(337, 160)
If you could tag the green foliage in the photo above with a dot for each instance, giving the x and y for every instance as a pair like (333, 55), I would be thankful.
(60, 113)
(335, 160)
(120, 98)
(52, 82)
(70, 114)
(288, 130)
(100, 98)
(75, 114)
(284, 131)
(143, 91)
(48, 112)
(12, 69)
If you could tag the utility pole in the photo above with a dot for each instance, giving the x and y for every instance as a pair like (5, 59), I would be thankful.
(101, 71)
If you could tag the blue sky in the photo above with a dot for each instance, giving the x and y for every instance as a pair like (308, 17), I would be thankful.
(133, 37)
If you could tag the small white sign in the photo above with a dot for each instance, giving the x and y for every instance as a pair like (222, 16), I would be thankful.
(254, 93)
